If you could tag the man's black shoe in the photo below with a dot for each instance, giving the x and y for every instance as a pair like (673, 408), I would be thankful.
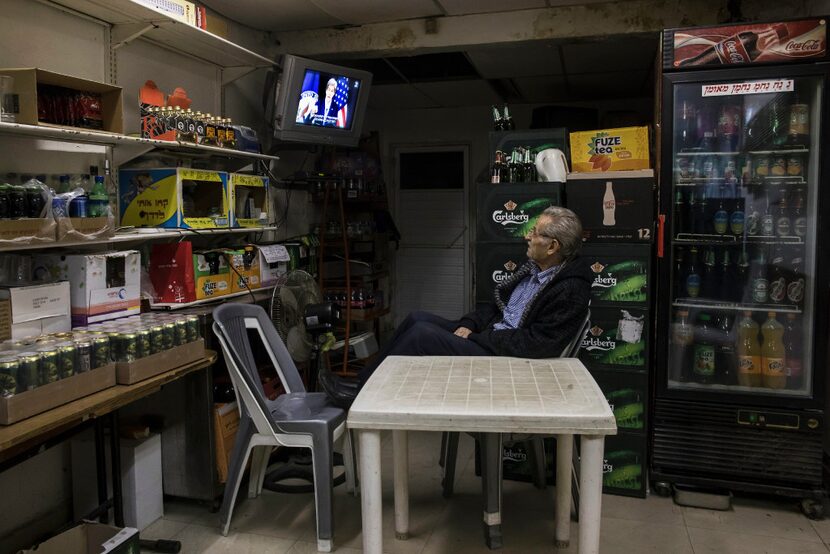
(341, 391)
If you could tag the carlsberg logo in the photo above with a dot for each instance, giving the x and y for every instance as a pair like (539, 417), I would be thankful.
(604, 282)
(499, 276)
(510, 218)
(593, 343)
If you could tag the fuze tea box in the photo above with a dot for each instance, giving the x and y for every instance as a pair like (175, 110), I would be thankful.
(175, 197)
(620, 149)
(212, 275)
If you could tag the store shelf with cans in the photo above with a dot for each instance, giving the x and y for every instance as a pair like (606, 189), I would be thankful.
(132, 19)
(127, 147)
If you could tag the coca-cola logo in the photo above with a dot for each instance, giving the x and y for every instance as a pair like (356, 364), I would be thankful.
(732, 51)
(810, 45)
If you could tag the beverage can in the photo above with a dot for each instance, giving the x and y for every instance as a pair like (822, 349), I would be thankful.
(66, 359)
(126, 349)
(100, 351)
(34, 201)
(156, 339)
(59, 206)
(145, 343)
(83, 356)
(49, 367)
(168, 336)
(78, 206)
(9, 369)
(29, 374)
(193, 328)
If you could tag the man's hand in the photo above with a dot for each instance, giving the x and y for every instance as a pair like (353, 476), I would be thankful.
(463, 332)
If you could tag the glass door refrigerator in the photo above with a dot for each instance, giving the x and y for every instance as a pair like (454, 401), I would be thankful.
(742, 315)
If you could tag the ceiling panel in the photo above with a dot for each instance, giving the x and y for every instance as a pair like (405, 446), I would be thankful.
(474, 92)
(359, 12)
(595, 86)
(523, 60)
(542, 89)
(618, 54)
(398, 97)
(275, 15)
(461, 7)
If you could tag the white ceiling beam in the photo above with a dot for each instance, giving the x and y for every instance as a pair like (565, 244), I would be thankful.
(560, 22)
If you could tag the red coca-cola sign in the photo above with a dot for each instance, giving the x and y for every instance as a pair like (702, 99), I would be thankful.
(745, 44)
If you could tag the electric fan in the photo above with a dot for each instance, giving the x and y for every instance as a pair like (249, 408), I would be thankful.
(288, 303)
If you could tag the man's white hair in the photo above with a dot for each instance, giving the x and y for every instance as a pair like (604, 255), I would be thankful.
(331, 82)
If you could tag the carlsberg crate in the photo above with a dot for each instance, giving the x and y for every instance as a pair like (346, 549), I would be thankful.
(625, 465)
(622, 273)
(495, 262)
(618, 338)
(508, 211)
(627, 394)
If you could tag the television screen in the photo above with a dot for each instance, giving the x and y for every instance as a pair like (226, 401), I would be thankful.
(327, 100)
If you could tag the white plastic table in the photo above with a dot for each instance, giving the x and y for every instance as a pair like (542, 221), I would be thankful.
(482, 394)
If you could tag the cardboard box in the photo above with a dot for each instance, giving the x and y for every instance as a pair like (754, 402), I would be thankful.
(174, 197)
(620, 149)
(225, 426)
(104, 285)
(26, 81)
(627, 394)
(507, 212)
(216, 24)
(496, 262)
(180, 275)
(180, 10)
(245, 270)
(613, 209)
(210, 284)
(27, 231)
(85, 228)
(273, 264)
(625, 465)
(622, 273)
(127, 373)
(141, 479)
(91, 538)
(34, 310)
(616, 341)
(248, 200)
(43, 398)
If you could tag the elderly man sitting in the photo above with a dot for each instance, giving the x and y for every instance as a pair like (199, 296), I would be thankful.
(535, 313)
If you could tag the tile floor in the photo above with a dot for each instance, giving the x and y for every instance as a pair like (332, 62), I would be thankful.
(284, 523)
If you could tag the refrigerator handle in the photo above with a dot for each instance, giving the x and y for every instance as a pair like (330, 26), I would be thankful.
(661, 227)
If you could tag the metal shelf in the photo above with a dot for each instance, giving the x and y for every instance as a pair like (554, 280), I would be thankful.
(734, 306)
(138, 235)
(131, 19)
(727, 239)
(708, 153)
(717, 387)
(172, 306)
(751, 152)
(117, 140)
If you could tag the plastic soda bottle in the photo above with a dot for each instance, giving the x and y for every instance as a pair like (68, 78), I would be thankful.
(772, 353)
(748, 350)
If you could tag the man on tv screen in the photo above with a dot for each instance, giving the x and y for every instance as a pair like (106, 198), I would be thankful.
(335, 109)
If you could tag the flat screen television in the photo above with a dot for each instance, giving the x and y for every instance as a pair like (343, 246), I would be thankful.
(319, 102)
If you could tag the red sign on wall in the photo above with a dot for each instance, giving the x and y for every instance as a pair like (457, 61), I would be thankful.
(745, 44)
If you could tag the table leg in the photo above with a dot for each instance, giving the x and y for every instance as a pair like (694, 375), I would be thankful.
(115, 455)
(370, 496)
(101, 468)
(491, 475)
(400, 445)
(590, 492)
(564, 454)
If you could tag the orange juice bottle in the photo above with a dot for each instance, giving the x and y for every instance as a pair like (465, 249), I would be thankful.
(772, 353)
(748, 351)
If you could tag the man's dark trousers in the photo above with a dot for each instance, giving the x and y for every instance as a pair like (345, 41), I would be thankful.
(425, 334)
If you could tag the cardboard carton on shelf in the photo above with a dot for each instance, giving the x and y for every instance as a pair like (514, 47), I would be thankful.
(104, 285)
(174, 198)
(45, 397)
(248, 200)
(625, 148)
(273, 264)
(180, 275)
(128, 373)
(225, 425)
(27, 81)
(32, 310)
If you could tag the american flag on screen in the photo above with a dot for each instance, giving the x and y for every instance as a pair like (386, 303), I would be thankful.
(341, 98)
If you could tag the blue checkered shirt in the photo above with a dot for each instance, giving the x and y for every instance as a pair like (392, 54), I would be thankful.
(524, 293)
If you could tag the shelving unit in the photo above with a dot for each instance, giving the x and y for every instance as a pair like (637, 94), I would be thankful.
(259, 294)
(691, 238)
(735, 307)
(130, 19)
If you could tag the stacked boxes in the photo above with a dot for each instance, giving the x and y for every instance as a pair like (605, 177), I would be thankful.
(616, 351)
(249, 200)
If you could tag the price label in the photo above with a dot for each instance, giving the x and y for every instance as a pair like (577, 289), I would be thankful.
(753, 87)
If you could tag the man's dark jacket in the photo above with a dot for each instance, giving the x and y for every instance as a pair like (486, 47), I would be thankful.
(550, 320)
